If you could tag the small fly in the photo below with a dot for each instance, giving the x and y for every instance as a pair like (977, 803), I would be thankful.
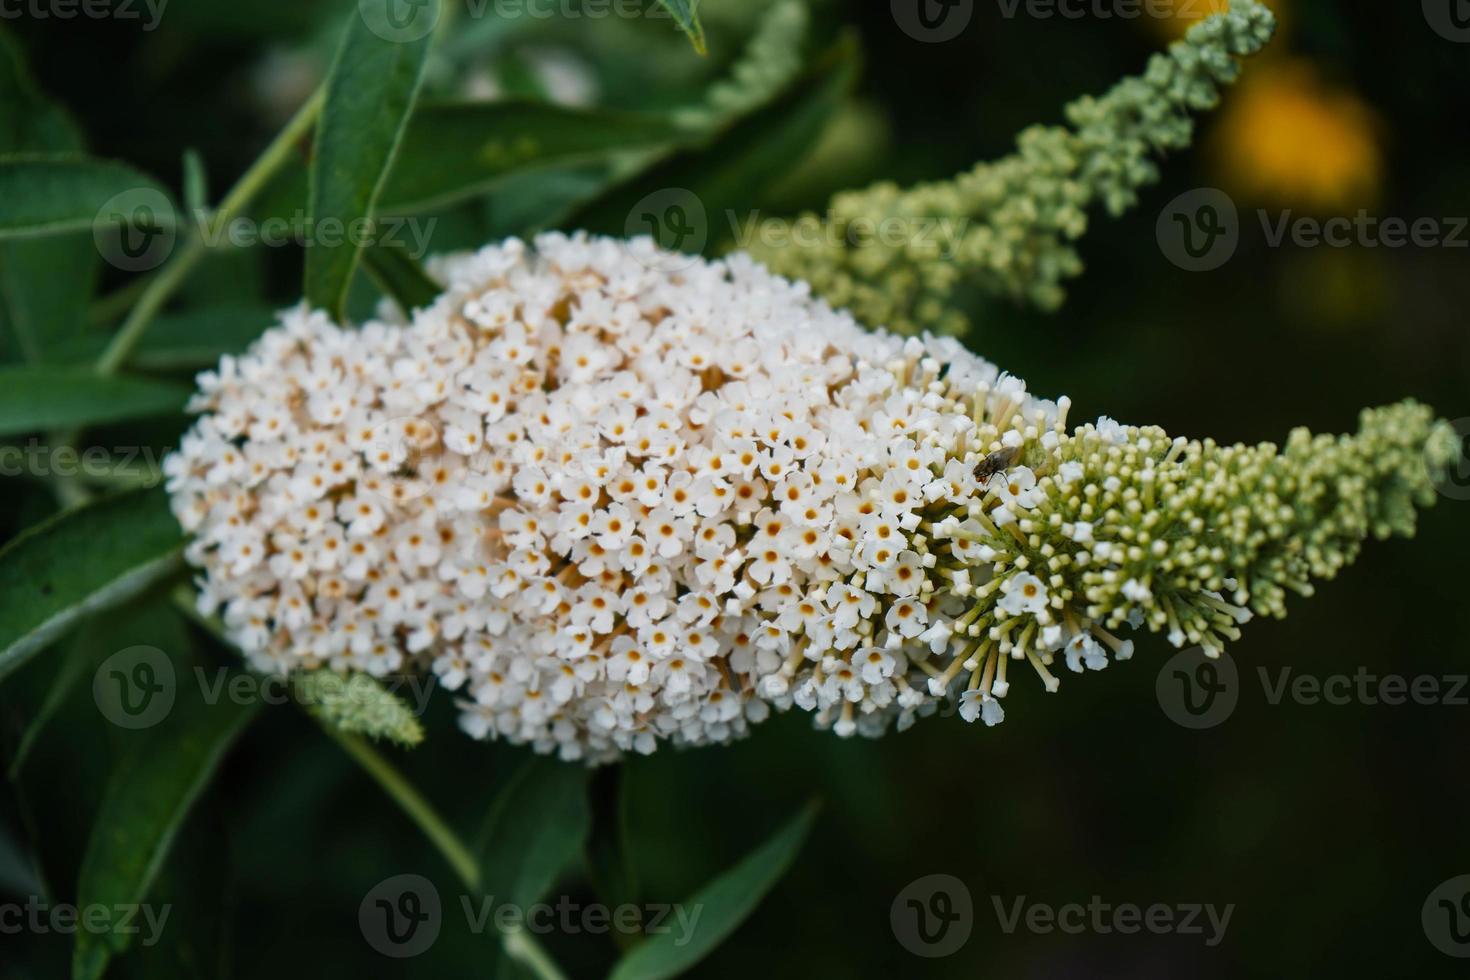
(995, 463)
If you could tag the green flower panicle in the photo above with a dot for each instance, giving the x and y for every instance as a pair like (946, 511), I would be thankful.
(895, 257)
(1119, 526)
(356, 704)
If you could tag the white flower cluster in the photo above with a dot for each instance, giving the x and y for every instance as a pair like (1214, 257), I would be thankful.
(615, 504)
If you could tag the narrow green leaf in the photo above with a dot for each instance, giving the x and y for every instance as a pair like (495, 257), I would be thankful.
(75, 659)
(459, 150)
(199, 338)
(52, 194)
(536, 828)
(609, 858)
(29, 122)
(79, 562)
(186, 340)
(686, 15)
(44, 397)
(370, 92)
(17, 866)
(196, 183)
(719, 181)
(400, 277)
(40, 309)
(162, 772)
(721, 906)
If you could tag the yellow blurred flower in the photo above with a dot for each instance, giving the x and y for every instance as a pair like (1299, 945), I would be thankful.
(1287, 137)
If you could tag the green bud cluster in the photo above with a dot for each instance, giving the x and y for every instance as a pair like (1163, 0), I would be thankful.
(356, 704)
(894, 256)
(1191, 537)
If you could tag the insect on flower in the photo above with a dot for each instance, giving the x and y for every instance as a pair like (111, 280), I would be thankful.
(996, 463)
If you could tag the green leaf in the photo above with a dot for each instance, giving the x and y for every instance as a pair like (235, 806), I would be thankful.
(196, 183)
(459, 150)
(199, 338)
(370, 92)
(52, 194)
(79, 562)
(162, 772)
(75, 659)
(609, 858)
(45, 284)
(186, 340)
(29, 122)
(727, 174)
(536, 828)
(686, 15)
(723, 904)
(400, 277)
(43, 397)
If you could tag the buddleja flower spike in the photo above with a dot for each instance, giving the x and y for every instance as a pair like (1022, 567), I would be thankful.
(611, 505)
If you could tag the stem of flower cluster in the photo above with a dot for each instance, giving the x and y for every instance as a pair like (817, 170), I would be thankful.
(419, 809)
(162, 287)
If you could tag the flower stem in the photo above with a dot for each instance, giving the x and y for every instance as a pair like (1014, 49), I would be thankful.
(162, 286)
(519, 945)
(419, 809)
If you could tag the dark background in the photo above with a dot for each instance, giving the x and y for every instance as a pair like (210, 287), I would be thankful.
(1325, 826)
